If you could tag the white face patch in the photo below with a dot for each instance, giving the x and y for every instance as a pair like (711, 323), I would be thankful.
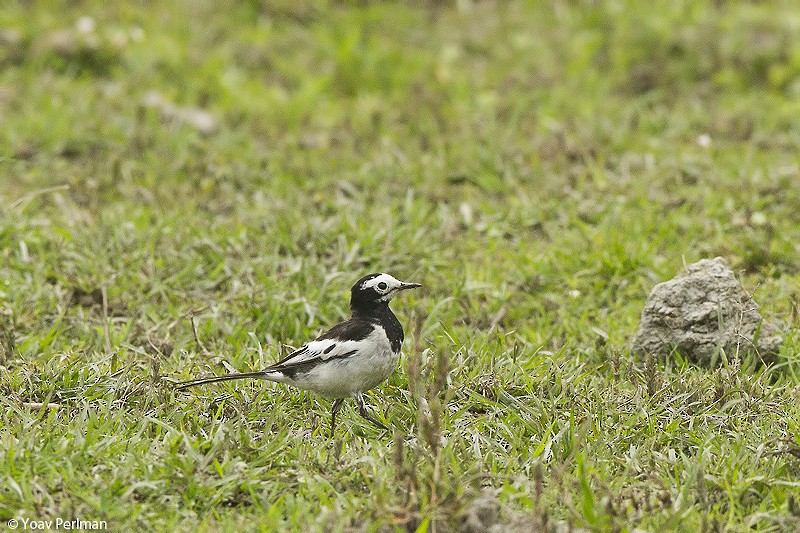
(383, 284)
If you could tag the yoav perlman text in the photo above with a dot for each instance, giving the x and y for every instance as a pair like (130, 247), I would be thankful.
(57, 524)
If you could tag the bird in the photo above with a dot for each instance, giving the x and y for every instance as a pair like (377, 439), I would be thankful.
(353, 356)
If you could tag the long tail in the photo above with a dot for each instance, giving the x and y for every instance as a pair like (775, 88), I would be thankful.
(228, 377)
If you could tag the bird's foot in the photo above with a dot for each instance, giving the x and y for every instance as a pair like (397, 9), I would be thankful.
(365, 414)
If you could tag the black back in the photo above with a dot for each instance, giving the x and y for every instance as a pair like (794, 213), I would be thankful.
(352, 329)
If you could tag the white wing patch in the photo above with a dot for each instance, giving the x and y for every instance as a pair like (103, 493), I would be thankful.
(322, 350)
(341, 375)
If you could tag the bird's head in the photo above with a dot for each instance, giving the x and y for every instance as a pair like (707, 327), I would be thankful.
(375, 289)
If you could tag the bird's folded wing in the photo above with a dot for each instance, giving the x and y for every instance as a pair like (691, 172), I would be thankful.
(317, 351)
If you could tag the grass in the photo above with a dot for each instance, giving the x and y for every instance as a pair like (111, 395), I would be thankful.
(538, 167)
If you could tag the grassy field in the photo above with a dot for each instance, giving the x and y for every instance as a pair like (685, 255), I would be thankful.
(537, 166)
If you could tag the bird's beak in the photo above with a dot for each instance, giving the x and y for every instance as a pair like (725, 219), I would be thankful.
(404, 286)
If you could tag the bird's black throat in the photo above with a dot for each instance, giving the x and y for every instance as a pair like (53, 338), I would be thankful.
(380, 314)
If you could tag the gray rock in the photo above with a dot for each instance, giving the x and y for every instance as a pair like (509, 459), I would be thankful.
(700, 312)
(481, 514)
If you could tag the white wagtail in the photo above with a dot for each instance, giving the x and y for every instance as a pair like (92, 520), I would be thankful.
(350, 358)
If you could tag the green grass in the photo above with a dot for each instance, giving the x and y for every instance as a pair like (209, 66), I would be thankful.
(537, 167)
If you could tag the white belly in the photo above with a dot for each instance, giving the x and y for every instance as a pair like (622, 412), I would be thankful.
(364, 370)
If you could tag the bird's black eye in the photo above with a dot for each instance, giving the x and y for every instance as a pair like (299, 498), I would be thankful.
(382, 286)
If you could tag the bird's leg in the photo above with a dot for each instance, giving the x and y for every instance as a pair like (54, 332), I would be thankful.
(337, 404)
(364, 412)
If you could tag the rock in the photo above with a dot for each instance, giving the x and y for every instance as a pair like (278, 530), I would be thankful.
(481, 514)
(699, 312)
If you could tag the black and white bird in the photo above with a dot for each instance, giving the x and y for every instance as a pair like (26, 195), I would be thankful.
(350, 358)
